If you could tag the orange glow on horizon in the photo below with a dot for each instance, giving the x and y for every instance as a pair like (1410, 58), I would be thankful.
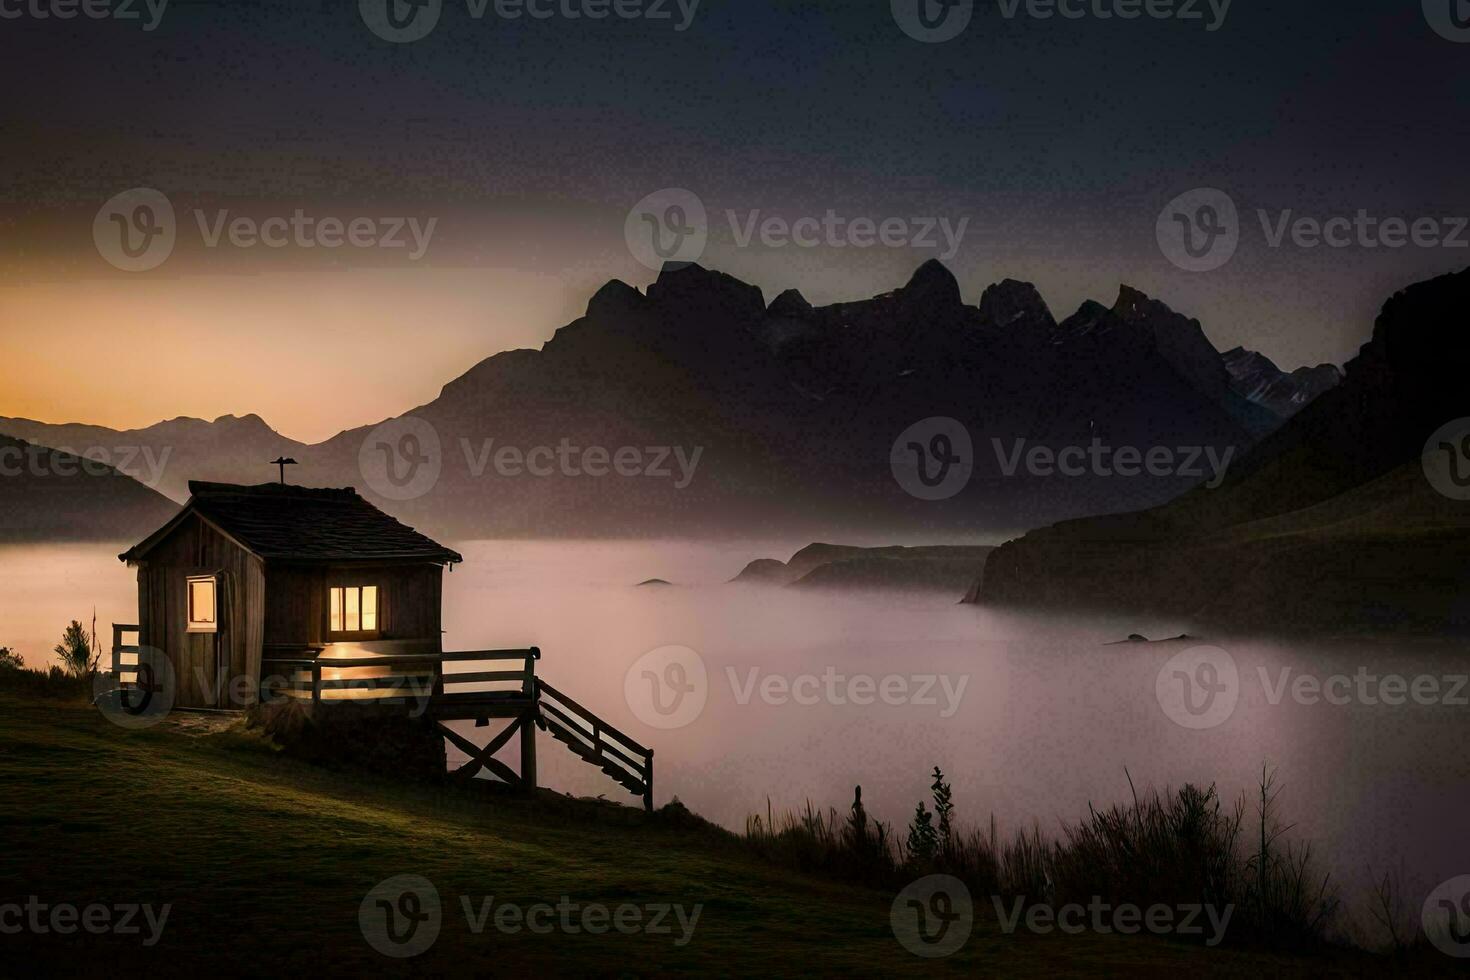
(312, 355)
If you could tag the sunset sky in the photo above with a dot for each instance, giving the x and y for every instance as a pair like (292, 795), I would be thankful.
(527, 142)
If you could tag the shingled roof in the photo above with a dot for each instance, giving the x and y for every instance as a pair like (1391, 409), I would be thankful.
(280, 522)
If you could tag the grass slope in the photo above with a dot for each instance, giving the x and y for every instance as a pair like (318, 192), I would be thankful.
(266, 860)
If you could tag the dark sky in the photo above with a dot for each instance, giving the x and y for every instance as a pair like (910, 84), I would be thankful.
(1060, 140)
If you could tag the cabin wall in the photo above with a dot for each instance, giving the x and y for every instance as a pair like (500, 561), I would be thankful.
(297, 612)
(211, 670)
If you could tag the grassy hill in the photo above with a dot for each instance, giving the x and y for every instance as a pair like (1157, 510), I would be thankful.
(266, 860)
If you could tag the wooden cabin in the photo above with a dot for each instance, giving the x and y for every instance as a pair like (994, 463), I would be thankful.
(249, 574)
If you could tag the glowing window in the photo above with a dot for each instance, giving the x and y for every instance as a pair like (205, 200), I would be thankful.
(354, 609)
(202, 612)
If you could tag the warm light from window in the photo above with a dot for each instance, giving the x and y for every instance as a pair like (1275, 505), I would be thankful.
(201, 604)
(354, 608)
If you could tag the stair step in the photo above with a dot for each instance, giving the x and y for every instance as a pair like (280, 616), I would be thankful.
(577, 744)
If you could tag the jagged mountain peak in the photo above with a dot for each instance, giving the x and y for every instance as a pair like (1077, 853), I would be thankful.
(690, 287)
(1012, 301)
(932, 285)
(789, 304)
(1133, 304)
(613, 298)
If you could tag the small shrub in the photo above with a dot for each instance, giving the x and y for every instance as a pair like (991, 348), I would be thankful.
(78, 650)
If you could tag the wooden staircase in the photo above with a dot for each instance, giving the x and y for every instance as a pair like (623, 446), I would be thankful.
(524, 699)
(595, 741)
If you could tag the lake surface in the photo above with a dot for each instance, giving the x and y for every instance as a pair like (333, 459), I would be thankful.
(1039, 716)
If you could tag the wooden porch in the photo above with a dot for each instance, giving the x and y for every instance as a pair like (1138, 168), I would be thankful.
(474, 686)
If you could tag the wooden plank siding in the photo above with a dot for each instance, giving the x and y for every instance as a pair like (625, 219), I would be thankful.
(264, 610)
(297, 613)
(206, 666)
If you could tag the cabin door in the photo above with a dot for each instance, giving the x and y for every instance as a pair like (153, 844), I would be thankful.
(200, 687)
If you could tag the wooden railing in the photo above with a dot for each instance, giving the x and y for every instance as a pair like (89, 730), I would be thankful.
(514, 692)
(136, 680)
(523, 679)
(393, 677)
(597, 742)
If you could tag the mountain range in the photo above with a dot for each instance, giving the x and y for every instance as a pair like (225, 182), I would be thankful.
(1354, 515)
(733, 415)
(46, 495)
